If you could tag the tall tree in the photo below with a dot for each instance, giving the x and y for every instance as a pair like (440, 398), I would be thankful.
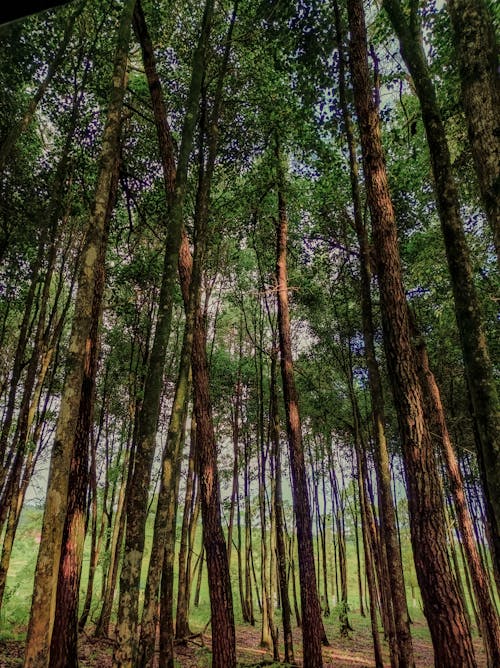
(219, 582)
(443, 605)
(312, 629)
(401, 646)
(477, 362)
(45, 586)
(476, 48)
(64, 643)
(286, 613)
(137, 502)
(489, 622)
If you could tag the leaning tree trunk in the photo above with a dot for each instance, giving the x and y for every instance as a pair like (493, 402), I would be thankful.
(64, 643)
(402, 649)
(43, 604)
(219, 582)
(221, 604)
(477, 53)
(137, 502)
(478, 367)
(443, 606)
(182, 629)
(312, 629)
(489, 622)
(286, 612)
(161, 561)
(41, 335)
(15, 377)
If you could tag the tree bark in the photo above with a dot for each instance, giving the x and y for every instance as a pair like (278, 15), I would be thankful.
(477, 362)
(15, 377)
(489, 622)
(370, 572)
(235, 433)
(338, 517)
(64, 643)
(115, 545)
(94, 544)
(286, 613)
(476, 49)
(137, 502)
(162, 552)
(265, 630)
(248, 612)
(402, 652)
(182, 629)
(312, 631)
(45, 586)
(221, 603)
(443, 606)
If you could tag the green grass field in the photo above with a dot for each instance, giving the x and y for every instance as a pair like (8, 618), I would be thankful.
(17, 600)
(14, 615)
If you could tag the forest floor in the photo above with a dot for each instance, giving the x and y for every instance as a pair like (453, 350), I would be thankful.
(353, 652)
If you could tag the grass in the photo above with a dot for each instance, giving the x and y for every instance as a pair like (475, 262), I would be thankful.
(17, 597)
(15, 612)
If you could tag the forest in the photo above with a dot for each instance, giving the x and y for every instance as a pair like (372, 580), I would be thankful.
(249, 290)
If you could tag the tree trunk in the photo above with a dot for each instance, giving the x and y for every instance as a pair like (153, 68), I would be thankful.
(404, 657)
(312, 631)
(265, 630)
(338, 517)
(442, 604)
(114, 548)
(470, 590)
(221, 604)
(477, 363)
(286, 613)
(41, 353)
(296, 606)
(182, 617)
(273, 566)
(477, 53)
(326, 611)
(490, 625)
(248, 614)
(358, 559)
(166, 517)
(137, 502)
(94, 545)
(370, 573)
(17, 366)
(193, 526)
(163, 547)
(45, 586)
(235, 433)
(64, 650)
(16, 501)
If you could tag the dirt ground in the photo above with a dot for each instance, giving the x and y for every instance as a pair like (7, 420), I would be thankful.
(354, 652)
